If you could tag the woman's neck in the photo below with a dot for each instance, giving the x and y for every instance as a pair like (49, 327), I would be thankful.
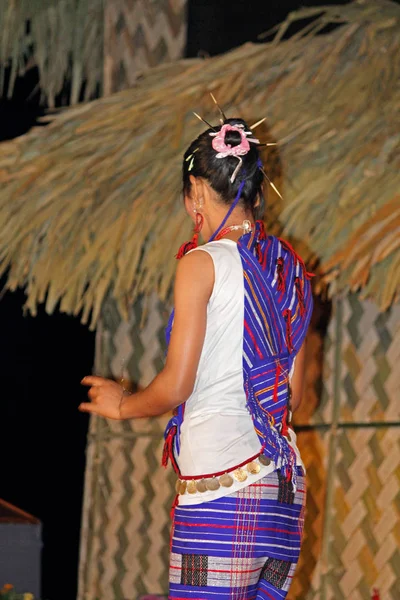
(234, 232)
(237, 219)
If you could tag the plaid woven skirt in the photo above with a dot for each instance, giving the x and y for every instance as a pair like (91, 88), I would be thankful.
(244, 546)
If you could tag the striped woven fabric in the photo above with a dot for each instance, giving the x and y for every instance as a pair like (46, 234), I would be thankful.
(244, 546)
(277, 310)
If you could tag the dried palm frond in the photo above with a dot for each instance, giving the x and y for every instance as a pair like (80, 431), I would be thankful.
(90, 205)
(63, 37)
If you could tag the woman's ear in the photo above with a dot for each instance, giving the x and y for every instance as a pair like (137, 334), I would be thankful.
(189, 196)
(197, 192)
(189, 206)
(193, 184)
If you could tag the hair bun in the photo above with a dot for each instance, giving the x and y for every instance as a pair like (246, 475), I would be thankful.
(200, 160)
(232, 138)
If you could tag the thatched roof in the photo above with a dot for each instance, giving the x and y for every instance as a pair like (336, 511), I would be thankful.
(62, 40)
(90, 204)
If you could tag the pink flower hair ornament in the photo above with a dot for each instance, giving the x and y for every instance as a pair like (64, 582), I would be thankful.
(223, 149)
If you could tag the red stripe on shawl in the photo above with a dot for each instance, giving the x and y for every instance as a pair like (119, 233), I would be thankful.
(253, 339)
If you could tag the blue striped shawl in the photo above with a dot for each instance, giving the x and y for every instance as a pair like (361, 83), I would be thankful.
(277, 310)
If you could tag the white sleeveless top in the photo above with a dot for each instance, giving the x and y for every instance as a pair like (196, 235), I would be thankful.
(217, 432)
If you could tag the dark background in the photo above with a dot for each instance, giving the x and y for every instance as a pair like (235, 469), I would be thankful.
(43, 436)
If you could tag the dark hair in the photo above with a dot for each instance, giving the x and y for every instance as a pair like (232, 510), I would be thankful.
(218, 171)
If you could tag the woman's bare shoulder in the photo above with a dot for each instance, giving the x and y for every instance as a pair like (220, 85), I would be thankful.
(195, 271)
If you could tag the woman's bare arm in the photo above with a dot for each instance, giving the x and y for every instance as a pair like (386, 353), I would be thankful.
(173, 385)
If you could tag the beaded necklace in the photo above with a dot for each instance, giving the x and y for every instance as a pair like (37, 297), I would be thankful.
(247, 226)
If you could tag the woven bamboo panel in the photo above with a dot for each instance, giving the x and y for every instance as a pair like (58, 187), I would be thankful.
(128, 495)
(139, 34)
(368, 343)
(364, 539)
(134, 348)
(131, 525)
(363, 535)
(307, 579)
(370, 378)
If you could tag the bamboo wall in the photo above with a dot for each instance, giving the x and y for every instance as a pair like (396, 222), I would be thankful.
(352, 453)
(128, 495)
(349, 435)
(123, 552)
(139, 34)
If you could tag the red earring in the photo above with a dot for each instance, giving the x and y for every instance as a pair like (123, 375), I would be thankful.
(186, 246)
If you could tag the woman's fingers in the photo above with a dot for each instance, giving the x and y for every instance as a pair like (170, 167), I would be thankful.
(93, 380)
(88, 407)
(96, 384)
(104, 397)
(94, 393)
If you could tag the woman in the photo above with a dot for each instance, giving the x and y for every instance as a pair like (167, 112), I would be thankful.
(232, 377)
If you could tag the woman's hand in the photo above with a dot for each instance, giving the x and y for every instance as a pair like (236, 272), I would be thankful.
(106, 397)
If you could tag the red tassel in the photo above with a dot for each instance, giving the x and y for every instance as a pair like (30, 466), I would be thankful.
(262, 258)
(375, 594)
(287, 314)
(278, 372)
(259, 254)
(296, 257)
(172, 515)
(285, 430)
(174, 505)
(186, 246)
(262, 235)
(184, 249)
(300, 295)
(280, 274)
(168, 447)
